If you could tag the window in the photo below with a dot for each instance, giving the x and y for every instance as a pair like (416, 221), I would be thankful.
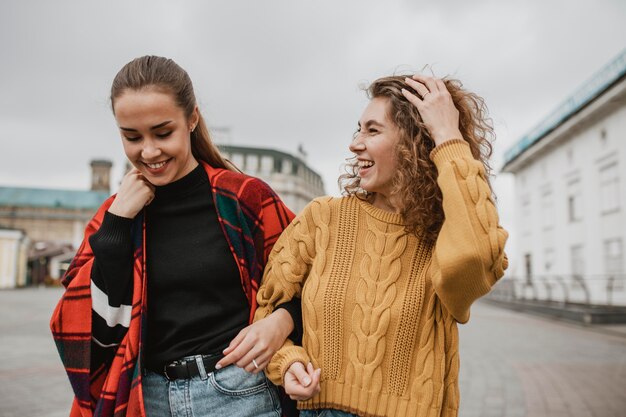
(548, 259)
(287, 166)
(267, 163)
(614, 261)
(547, 208)
(278, 164)
(526, 220)
(238, 161)
(578, 261)
(528, 265)
(252, 163)
(603, 136)
(574, 201)
(609, 188)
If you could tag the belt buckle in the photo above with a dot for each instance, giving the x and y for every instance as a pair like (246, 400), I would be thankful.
(165, 373)
(165, 369)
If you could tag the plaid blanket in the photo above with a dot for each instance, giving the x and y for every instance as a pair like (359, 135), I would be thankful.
(252, 217)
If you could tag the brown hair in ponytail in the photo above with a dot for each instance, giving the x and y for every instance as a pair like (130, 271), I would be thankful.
(165, 74)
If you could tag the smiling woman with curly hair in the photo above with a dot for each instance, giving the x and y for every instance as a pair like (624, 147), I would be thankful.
(387, 271)
(416, 177)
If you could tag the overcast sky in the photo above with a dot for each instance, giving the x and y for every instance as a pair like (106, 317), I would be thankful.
(281, 73)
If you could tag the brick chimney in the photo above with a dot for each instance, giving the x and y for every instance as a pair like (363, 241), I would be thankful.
(101, 175)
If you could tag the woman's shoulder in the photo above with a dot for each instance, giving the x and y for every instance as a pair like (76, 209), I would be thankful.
(328, 202)
(235, 181)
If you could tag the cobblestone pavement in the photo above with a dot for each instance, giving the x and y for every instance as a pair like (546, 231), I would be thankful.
(512, 364)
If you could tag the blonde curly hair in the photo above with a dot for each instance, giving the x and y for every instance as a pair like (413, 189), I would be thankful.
(416, 178)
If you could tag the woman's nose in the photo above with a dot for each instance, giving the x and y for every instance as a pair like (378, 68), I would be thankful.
(149, 150)
(357, 144)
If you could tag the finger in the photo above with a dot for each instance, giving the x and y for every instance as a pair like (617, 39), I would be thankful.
(263, 360)
(255, 352)
(249, 364)
(299, 392)
(441, 85)
(262, 364)
(145, 181)
(317, 375)
(235, 355)
(413, 99)
(429, 82)
(417, 86)
(302, 376)
(236, 340)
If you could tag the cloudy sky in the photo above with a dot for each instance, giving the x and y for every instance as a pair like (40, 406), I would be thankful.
(281, 73)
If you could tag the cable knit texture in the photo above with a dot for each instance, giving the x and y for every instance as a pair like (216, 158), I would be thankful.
(380, 306)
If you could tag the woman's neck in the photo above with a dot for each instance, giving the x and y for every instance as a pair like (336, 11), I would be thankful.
(384, 202)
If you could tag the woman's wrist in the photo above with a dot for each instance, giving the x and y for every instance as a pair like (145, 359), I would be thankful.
(117, 208)
(284, 321)
(445, 136)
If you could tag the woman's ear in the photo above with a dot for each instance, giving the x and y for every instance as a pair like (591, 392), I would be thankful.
(194, 118)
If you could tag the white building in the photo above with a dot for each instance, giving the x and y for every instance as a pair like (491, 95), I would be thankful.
(13, 258)
(570, 178)
(292, 179)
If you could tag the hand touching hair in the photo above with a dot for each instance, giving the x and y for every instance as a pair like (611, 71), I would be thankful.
(415, 183)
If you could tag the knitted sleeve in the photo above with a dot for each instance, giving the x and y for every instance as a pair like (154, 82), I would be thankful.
(111, 280)
(285, 273)
(469, 256)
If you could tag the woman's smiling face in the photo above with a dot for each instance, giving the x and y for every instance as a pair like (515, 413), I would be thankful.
(156, 134)
(374, 146)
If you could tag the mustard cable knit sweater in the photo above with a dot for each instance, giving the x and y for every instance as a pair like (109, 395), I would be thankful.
(379, 306)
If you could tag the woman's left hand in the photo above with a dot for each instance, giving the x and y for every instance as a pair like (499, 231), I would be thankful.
(436, 107)
(254, 346)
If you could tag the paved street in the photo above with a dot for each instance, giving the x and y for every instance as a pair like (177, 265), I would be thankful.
(32, 381)
(512, 364)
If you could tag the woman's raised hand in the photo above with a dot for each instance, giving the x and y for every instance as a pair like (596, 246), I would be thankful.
(134, 194)
(436, 107)
(300, 383)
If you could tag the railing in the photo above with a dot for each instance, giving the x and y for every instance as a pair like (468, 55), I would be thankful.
(606, 290)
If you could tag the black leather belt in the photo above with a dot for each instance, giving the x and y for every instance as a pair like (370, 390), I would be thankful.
(188, 367)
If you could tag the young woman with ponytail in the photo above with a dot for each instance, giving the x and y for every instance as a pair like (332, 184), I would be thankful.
(165, 282)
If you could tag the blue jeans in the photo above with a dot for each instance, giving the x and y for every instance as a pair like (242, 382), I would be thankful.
(325, 412)
(231, 391)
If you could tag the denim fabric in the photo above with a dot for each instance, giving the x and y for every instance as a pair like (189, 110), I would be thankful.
(228, 392)
(325, 412)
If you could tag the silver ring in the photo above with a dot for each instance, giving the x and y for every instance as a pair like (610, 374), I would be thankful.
(425, 94)
(255, 364)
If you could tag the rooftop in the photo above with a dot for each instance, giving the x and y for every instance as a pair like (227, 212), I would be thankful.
(600, 82)
(247, 150)
(51, 198)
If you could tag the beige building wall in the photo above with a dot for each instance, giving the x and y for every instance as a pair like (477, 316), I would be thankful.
(13, 258)
(59, 225)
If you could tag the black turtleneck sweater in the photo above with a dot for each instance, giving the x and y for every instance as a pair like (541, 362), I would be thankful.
(196, 304)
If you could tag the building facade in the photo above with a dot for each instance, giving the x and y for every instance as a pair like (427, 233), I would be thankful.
(13, 258)
(292, 179)
(49, 215)
(570, 190)
(40, 229)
